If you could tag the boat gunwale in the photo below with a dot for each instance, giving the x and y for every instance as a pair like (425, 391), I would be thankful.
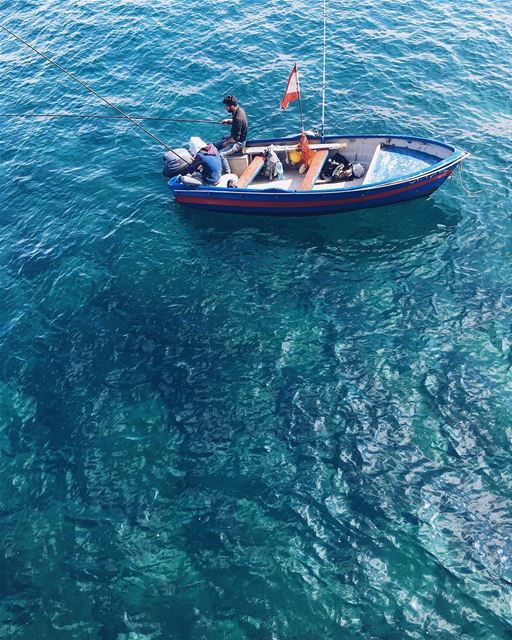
(299, 197)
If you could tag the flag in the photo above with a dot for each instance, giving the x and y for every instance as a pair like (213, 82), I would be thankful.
(292, 88)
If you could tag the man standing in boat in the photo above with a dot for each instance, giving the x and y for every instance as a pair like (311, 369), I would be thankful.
(238, 136)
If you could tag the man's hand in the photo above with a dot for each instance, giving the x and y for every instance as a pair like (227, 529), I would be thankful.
(227, 121)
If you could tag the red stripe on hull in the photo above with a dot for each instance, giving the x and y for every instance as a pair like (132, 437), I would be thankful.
(275, 203)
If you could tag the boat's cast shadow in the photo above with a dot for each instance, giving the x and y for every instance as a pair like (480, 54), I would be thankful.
(406, 224)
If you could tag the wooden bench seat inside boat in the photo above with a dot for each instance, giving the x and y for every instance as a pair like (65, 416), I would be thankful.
(336, 146)
(314, 170)
(250, 172)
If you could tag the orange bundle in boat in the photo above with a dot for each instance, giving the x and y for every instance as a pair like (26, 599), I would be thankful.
(305, 150)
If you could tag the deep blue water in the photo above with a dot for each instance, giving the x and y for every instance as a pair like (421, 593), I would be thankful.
(224, 428)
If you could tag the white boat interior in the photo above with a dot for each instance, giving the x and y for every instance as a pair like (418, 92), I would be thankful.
(382, 158)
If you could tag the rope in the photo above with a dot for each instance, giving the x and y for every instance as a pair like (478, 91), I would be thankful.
(470, 193)
(99, 116)
(73, 77)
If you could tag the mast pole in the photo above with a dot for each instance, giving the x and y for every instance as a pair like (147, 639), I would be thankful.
(323, 70)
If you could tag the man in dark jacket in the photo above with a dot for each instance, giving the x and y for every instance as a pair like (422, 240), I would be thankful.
(205, 157)
(238, 135)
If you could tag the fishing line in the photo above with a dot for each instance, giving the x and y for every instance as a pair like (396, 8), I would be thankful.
(73, 77)
(100, 116)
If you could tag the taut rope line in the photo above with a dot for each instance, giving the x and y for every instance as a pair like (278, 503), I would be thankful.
(73, 77)
(100, 117)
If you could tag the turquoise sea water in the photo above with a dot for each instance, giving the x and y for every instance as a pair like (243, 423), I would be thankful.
(224, 428)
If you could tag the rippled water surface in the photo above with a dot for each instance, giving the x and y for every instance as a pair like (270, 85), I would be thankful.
(224, 428)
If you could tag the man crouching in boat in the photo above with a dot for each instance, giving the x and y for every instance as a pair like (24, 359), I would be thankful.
(206, 165)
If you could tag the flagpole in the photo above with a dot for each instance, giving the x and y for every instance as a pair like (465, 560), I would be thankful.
(300, 101)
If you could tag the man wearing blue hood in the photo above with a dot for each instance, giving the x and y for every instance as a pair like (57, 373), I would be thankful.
(206, 158)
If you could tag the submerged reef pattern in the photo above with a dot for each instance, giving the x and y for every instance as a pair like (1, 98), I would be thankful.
(222, 428)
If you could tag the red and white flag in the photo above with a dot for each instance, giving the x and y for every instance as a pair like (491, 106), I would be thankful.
(292, 88)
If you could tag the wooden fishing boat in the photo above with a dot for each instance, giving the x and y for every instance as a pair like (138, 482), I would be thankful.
(396, 169)
(390, 169)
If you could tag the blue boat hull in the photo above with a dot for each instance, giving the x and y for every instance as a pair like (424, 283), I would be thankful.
(276, 202)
